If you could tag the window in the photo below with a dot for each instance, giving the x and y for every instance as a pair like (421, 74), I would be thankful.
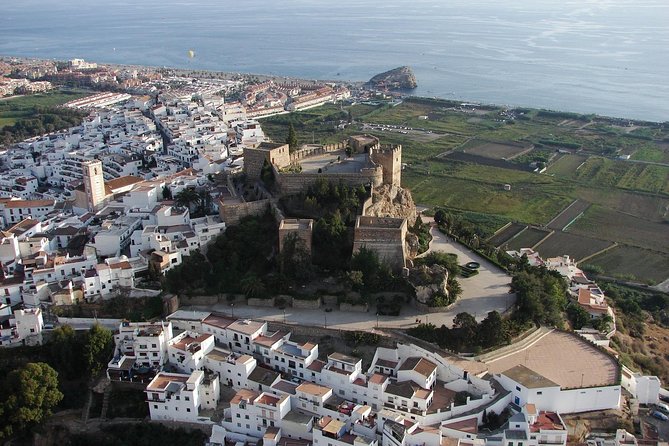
(155, 406)
(238, 416)
(187, 410)
(540, 393)
(187, 398)
(518, 388)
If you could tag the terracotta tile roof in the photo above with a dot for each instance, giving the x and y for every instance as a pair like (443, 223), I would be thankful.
(122, 182)
(313, 389)
(28, 203)
(420, 365)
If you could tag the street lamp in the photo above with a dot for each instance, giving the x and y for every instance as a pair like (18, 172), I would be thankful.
(284, 315)
(325, 316)
(232, 305)
(377, 319)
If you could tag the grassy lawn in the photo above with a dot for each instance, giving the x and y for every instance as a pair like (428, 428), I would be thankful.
(13, 109)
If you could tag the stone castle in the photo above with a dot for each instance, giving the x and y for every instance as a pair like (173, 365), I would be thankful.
(361, 160)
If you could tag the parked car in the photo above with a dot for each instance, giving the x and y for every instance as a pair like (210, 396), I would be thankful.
(659, 415)
(662, 407)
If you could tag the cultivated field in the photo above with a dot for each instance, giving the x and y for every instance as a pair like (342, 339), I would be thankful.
(506, 234)
(470, 179)
(617, 226)
(566, 165)
(495, 150)
(527, 239)
(13, 109)
(568, 215)
(576, 246)
(624, 174)
(634, 263)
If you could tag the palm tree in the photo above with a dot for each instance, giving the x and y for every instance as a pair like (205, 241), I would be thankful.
(187, 197)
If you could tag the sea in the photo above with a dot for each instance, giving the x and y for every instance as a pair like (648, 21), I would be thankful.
(609, 57)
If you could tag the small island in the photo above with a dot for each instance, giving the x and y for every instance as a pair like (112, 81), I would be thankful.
(401, 78)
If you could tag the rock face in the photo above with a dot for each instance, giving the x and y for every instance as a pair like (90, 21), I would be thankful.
(395, 79)
(392, 201)
(429, 281)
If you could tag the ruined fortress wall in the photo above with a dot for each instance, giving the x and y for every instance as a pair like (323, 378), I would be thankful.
(294, 183)
(313, 151)
(390, 158)
(388, 243)
(363, 143)
(232, 213)
(254, 159)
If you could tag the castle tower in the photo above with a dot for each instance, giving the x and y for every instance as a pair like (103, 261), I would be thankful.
(390, 158)
(94, 184)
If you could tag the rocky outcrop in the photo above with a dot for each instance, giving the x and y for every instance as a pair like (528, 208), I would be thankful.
(428, 282)
(392, 201)
(401, 78)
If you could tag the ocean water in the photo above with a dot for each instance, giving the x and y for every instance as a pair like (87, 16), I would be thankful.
(593, 56)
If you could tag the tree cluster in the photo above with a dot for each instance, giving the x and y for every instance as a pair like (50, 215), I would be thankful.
(238, 261)
(32, 379)
(541, 296)
(44, 120)
(467, 334)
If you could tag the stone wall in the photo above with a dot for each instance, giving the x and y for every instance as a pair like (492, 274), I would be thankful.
(302, 228)
(386, 241)
(294, 183)
(254, 302)
(329, 300)
(427, 309)
(359, 308)
(313, 304)
(389, 157)
(254, 158)
(312, 150)
(232, 213)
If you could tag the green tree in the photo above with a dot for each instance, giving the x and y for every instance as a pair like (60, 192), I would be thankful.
(253, 286)
(440, 217)
(187, 198)
(65, 349)
(291, 140)
(577, 316)
(295, 260)
(29, 394)
(492, 331)
(167, 193)
(98, 346)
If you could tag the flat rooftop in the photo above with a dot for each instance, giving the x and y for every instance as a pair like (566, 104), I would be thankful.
(269, 145)
(380, 222)
(294, 224)
(328, 163)
(564, 359)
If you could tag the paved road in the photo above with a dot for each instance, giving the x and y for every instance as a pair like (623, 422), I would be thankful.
(482, 293)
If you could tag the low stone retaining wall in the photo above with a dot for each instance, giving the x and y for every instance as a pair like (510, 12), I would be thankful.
(355, 308)
(427, 309)
(254, 302)
(329, 300)
(308, 304)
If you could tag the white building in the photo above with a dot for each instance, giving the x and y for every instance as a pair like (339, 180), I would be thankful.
(181, 397)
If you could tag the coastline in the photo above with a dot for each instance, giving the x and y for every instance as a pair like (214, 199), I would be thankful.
(229, 75)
